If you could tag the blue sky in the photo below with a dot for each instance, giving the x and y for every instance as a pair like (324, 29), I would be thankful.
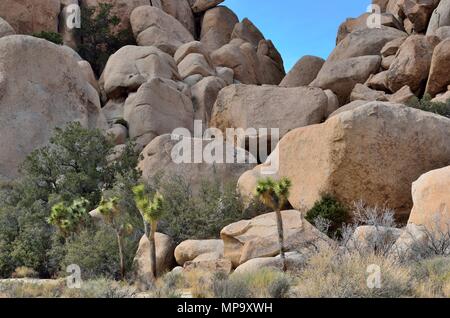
(299, 27)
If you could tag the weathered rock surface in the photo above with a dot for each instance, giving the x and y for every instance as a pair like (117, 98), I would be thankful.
(41, 87)
(217, 25)
(203, 5)
(189, 250)
(371, 153)
(304, 72)
(294, 261)
(438, 79)
(132, 66)
(258, 237)
(153, 27)
(204, 95)
(249, 106)
(5, 28)
(439, 18)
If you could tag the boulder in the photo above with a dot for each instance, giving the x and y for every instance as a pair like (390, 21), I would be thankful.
(294, 261)
(157, 108)
(250, 106)
(412, 63)
(225, 73)
(180, 10)
(364, 42)
(163, 155)
(5, 28)
(362, 92)
(402, 96)
(413, 244)
(443, 33)
(333, 102)
(438, 80)
(203, 5)
(431, 201)
(258, 237)
(247, 32)
(342, 76)
(378, 81)
(195, 63)
(188, 251)
(369, 239)
(41, 88)
(304, 72)
(204, 95)
(132, 66)
(349, 107)
(439, 18)
(189, 48)
(371, 153)
(217, 25)
(113, 110)
(153, 27)
(25, 17)
(209, 266)
(89, 74)
(392, 47)
(442, 98)
(418, 12)
(118, 134)
(165, 260)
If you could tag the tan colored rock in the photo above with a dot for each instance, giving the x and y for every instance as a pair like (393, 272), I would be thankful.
(217, 25)
(132, 66)
(418, 12)
(247, 32)
(189, 250)
(359, 155)
(392, 47)
(158, 108)
(304, 72)
(165, 260)
(247, 184)
(439, 18)
(443, 33)
(269, 107)
(412, 63)
(89, 74)
(364, 42)
(41, 88)
(225, 73)
(402, 96)
(349, 107)
(412, 244)
(294, 261)
(378, 81)
(195, 63)
(258, 237)
(113, 110)
(25, 17)
(438, 79)
(382, 4)
(386, 62)
(442, 98)
(118, 134)
(203, 5)
(180, 10)
(5, 28)
(209, 266)
(157, 158)
(153, 27)
(189, 48)
(342, 76)
(333, 102)
(394, 8)
(362, 92)
(204, 95)
(431, 201)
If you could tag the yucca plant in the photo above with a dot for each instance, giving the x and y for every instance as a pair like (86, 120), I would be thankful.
(274, 194)
(112, 216)
(152, 211)
(69, 218)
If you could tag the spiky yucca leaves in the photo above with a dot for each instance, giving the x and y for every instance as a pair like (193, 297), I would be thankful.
(69, 218)
(274, 194)
(112, 216)
(152, 211)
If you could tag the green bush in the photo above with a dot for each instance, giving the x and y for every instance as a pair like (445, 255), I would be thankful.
(426, 104)
(74, 164)
(97, 38)
(50, 36)
(202, 216)
(329, 209)
(279, 288)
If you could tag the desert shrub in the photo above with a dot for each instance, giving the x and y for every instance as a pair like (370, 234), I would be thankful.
(22, 289)
(432, 278)
(332, 274)
(426, 104)
(279, 288)
(169, 286)
(74, 164)
(201, 216)
(24, 272)
(101, 288)
(50, 36)
(328, 211)
(230, 288)
(97, 37)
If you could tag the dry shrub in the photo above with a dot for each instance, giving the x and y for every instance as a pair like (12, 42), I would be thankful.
(432, 278)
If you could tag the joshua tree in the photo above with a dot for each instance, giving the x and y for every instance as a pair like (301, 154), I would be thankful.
(112, 216)
(152, 211)
(69, 218)
(274, 195)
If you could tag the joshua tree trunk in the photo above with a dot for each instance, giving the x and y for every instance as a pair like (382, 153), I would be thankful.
(281, 239)
(122, 263)
(153, 248)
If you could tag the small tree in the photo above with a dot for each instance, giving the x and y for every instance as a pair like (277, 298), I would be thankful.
(275, 195)
(69, 218)
(113, 217)
(152, 211)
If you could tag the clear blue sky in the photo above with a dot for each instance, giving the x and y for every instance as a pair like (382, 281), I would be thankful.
(299, 27)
